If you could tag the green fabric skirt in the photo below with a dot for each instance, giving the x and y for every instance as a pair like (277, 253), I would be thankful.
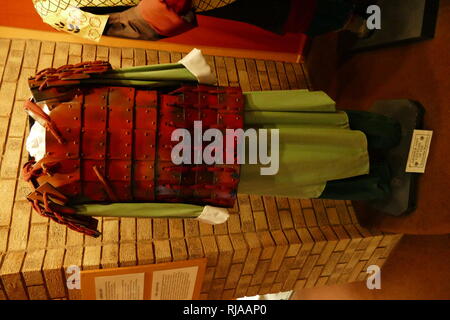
(316, 143)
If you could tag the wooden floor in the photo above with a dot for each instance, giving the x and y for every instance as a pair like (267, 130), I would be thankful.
(268, 245)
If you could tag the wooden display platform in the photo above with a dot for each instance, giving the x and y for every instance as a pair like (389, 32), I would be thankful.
(267, 246)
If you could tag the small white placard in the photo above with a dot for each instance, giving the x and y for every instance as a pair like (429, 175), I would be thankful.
(120, 287)
(174, 284)
(418, 152)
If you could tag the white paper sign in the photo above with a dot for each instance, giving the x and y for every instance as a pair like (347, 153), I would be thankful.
(418, 152)
(120, 287)
(174, 284)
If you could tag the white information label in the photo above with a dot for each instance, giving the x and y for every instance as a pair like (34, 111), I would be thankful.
(418, 152)
(120, 287)
(174, 284)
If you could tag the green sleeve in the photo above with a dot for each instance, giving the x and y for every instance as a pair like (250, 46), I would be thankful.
(140, 210)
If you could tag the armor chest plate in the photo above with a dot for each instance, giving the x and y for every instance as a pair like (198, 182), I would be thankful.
(114, 144)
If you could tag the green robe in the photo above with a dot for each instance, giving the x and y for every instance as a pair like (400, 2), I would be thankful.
(316, 143)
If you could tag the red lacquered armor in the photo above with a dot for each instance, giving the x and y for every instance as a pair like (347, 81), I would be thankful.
(113, 144)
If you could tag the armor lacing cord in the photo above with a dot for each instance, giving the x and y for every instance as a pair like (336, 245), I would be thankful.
(48, 124)
(223, 169)
(198, 168)
(43, 73)
(181, 169)
(173, 186)
(43, 85)
(197, 186)
(32, 170)
(45, 169)
(222, 187)
(87, 227)
(29, 172)
(48, 209)
(109, 190)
